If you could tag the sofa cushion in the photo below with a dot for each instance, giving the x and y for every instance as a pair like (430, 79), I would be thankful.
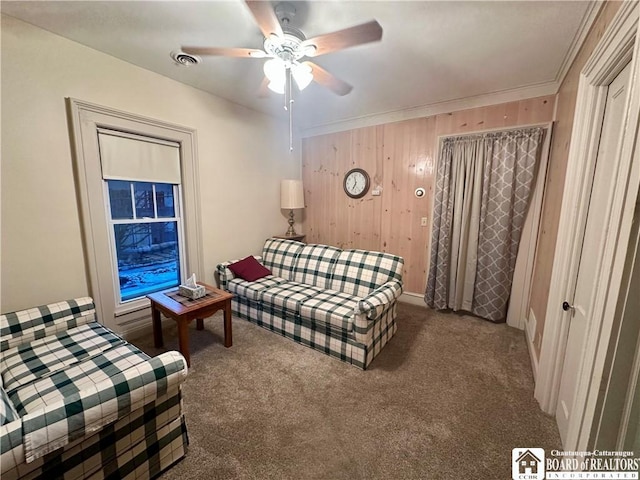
(252, 290)
(38, 322)
(64, 383)
(330, 309)
(288, 296)
(279, 256)
(40, 358)
(249, 269)
(314, 265)
(359, 272)
(7, 411)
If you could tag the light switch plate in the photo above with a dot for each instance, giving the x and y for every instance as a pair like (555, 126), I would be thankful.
(424, 222)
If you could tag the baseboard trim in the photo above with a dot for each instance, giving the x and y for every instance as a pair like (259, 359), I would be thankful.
(412, 298)
(140, 328)
(529, 332)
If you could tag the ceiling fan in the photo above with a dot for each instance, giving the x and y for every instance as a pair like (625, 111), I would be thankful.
(286, 47)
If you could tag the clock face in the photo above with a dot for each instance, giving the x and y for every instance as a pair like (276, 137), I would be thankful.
(356, 183)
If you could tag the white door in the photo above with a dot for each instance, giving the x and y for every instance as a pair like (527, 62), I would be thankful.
(594, 236)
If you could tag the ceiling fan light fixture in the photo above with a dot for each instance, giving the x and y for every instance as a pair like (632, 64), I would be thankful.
(309, 50)
(303, 75)
(275, 70)
(277, 87)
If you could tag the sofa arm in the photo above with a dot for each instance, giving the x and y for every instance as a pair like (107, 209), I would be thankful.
(380, 300)
(25, 326)
(95, 406)
(225, 275)
(11, 448)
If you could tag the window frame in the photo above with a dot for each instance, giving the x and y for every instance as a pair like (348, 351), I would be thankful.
(85, 120)
(123, 307)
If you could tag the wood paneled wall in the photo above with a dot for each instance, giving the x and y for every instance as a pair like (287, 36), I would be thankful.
(399, 158)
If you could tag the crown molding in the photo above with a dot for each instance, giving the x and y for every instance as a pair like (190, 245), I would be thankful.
(583, 30)
(503, 96)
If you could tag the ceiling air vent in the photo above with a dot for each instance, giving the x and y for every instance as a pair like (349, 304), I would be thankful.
(184, 59)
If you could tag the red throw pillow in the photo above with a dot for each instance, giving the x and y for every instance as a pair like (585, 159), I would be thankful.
(249, 269)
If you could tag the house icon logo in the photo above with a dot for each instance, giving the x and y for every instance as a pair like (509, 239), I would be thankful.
(527, 464)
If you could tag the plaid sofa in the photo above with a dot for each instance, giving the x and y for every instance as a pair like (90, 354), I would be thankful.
(78, 401)
(341, 302)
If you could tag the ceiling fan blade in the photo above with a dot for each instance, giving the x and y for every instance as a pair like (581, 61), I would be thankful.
(349, 37)
(329, 80)
(226, 52)
(265, 17)
(263, 91)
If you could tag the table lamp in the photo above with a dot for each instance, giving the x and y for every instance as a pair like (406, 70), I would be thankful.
(291, 197)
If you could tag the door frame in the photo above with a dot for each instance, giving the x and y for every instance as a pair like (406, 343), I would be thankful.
(618, 46)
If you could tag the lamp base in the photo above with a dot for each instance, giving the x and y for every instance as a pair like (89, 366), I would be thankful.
(291, 232)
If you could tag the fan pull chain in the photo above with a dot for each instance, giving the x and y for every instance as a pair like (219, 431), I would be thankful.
(290, 112)
(287, 79)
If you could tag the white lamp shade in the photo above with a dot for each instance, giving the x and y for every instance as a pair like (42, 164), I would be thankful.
(277, 87)
(303, 75)
(291, 194)
(275, 71)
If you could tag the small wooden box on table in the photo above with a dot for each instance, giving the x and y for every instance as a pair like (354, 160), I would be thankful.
(184, 310)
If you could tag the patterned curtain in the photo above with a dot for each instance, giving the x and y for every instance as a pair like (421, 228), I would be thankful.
(483, 189)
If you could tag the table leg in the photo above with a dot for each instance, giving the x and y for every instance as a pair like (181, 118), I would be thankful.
(227, 324)
(199, 324)
(183, 340)
(157, 327)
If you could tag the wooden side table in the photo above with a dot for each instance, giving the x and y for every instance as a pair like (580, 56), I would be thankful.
(297, 238)
(184, 310)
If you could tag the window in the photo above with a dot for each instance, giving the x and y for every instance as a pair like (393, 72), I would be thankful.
(146, 237)
(138, 186)
(142, 190)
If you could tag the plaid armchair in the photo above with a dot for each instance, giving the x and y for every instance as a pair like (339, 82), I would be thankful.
(341, 302)
(77, 401)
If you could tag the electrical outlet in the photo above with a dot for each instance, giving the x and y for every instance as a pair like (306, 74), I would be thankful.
(424, 222)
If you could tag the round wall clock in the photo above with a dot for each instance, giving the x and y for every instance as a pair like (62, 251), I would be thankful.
(356, 183)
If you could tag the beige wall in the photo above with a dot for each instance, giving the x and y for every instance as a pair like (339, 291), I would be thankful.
(242, 157)
(399, 157)
(566, 104)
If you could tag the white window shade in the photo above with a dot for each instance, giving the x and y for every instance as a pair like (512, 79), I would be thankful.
(128, 157)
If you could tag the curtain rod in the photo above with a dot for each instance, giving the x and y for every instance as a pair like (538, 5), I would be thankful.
(546, 125)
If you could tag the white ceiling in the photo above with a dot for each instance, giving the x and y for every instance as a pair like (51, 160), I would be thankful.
(430, 51)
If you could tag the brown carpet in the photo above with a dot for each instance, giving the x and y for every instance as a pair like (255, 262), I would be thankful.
(448, 398)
